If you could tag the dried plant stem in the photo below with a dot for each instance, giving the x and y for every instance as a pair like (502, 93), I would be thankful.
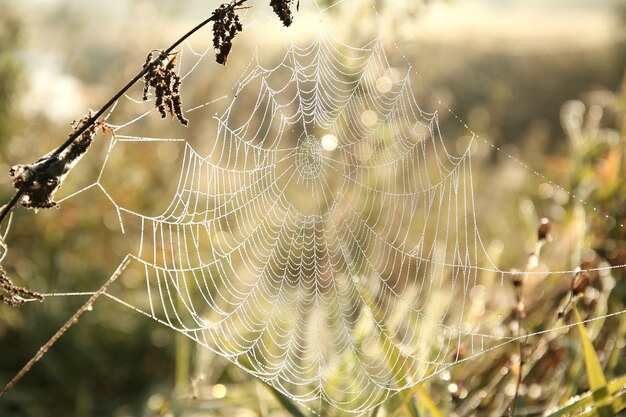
(521, 344)
(533, 353)
(520, 310)
(6, 209)
(72, 321)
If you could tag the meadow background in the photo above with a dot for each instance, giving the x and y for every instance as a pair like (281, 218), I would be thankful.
(543, 80)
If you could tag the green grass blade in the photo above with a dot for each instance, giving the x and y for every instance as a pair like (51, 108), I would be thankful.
(287, 404)
(573, 406)
(595, 374)
(424, 400)
(428, 402)
(397, 361)
(586, 399)
(412, 408)
(617, 405)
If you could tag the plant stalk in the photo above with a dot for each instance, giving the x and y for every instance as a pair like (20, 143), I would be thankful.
(68, 324)
(6, 209)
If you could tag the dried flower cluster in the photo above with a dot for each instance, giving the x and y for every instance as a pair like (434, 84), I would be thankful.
(226, 25)
(39, 181)
(282, 8)
(12, 295)
(162, 77)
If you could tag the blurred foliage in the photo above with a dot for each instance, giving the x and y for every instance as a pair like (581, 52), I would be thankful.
(116, 363)
(10, 75)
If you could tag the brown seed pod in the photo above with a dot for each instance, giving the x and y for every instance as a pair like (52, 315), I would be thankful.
(543, 232)
(580, 284)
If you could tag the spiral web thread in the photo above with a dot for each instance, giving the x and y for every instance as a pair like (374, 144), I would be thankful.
(328, 242)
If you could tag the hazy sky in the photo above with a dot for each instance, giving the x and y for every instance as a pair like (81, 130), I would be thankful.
(520, 25)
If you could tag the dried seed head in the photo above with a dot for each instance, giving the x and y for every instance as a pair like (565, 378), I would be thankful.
(226, 25)
(39, 181)
(282, 8)
(162, 77)
(12, 295)
(543, 232)
(580, 284)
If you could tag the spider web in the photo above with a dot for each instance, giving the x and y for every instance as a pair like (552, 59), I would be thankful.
(310, 244)
(327, 242)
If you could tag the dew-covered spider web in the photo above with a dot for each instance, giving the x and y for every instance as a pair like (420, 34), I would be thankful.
(326, 240)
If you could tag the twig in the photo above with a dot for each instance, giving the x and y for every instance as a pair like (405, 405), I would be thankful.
(13, 295)
(533, 353)
(68, 324)
(520, 311)
(6, 209)
(521, 344)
